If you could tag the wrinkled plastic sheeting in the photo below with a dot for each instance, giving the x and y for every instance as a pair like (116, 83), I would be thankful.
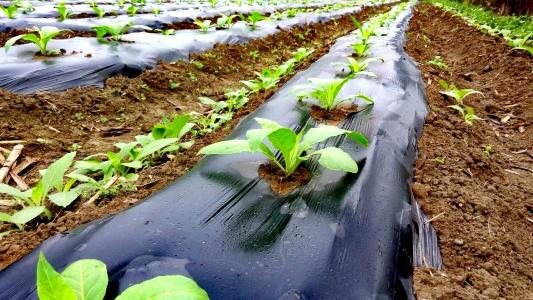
(45, 16)
(341, 236)
(21, 72)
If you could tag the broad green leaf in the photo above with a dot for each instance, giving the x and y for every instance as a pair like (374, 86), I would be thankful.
(226, 147)
(320, 134)
(50, 284)
(336, 159)
(88, 279)
(284, 140)
(27, 214)
(172, 287)
(358, 137)
(267, 124)
(11, 42)
(155, 146)
(53, 175)
(64, 199)
(6, 189)
(5, 217)
(136, 164)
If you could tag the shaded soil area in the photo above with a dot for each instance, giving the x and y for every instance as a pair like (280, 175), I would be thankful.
(334, 116)
(95, 119)
(475, 182)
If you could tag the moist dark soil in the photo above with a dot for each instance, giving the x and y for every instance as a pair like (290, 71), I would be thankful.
(92, 119)
(281, 184)
(481, 201)
(332, 117)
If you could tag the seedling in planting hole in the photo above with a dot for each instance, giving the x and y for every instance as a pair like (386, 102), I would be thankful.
(266, 80)
(487, 150)
(87, 279)
(437, 61)
(358, 67)
(63, 11)
(225, 21)
(467, 113)
(113, 32)
(92, 3)
(100, 13)
(365, 32)
(44, 35)
(326, 92)
(33, 200)
(360, 49)
(166, 31)
(204, 25)
(26, 7)
(121, 3)
(291, 13)
(9, 11)
(295, 148)
(213, 3)
(156, 11)
(236, 99)
(253, 18)
(132, 10)
(456, 93)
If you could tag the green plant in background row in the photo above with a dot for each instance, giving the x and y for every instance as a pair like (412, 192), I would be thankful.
(204, 25)
(438, 62)
(9, 11)
(33, 200)
(360, 66)
(265, 80)
(521, 44)
(113, 32)
(44, 35)
(253, 18)
(225, 22)
(100, 13)
(63, 11)
(87, 279)
(458, 94)
(302, 53)
(326, 92)
(467, 113)
(295, 148)
(132, 10)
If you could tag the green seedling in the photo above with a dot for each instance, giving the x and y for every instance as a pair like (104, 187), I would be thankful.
(132, 10)
(9, 11)
(87, 279)
(205, 124)
(44, 35)
(361, 49)
(197, 64)
(291, 13)
(121, 3)
(213, 3)
(440, 160)
(166, 31)
(266, 80)
(225, 22)
(204, 25)
(359, 67)
(236, 99)
(253, 18)
(438, 62)
(286, 68)
(63, 11)
(467, 113)
(26, 7)
(33, 200)
(458, 94)
(302, 53)
(100, 13)
(113, 32)
(254, 54)
(522, 44)
(365, 32)
(295, 148)
(487, 150)
(326, 92)
(156, 11)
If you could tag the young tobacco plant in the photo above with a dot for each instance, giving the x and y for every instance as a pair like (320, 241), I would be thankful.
(63, 12)
(326, 92)
(44, 35)
(113, 32)
(295, 148)
(438, 62)
(132, 10)
(33, 200)
(522, 44)
(225, 22)
(9, 11)
(458, 94)
(467, 113)
(302, 53)
(265, 80)
(87, 279)
(100, 13)
(359, 66)
(204, 25)
(361, 48)
(253, 18)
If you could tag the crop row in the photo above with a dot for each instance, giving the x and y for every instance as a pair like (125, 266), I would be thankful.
(515, 30)
(95, 175)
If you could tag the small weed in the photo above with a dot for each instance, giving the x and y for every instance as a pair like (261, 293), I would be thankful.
(197, 64)
(254, 54)
(440, 160)
(79, 116)
(74, 147)
(487, 150)
(173, 85)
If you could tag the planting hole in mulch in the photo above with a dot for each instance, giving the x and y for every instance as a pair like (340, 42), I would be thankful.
(280, 184)
(332, 117)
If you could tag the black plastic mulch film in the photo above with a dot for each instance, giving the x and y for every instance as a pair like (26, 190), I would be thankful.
(21, 72)
(341, 236)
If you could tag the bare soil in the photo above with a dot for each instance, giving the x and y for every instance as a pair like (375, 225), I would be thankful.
(282, 185)
(95, 119)
(334, 116)
(481, 201)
